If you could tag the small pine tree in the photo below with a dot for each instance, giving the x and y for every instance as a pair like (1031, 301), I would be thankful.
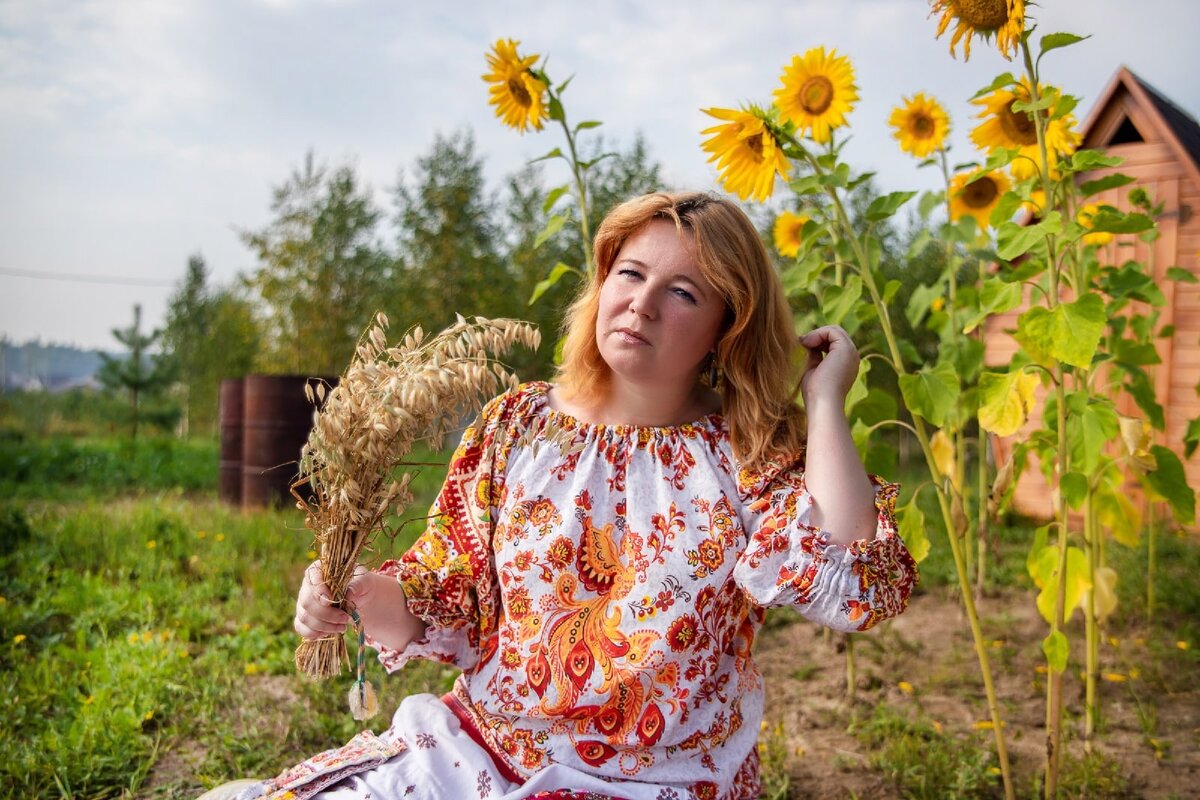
(140, 374)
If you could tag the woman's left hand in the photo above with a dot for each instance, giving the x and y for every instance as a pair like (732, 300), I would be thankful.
(832, 365)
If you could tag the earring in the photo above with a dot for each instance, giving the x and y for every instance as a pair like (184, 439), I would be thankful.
(714, 374)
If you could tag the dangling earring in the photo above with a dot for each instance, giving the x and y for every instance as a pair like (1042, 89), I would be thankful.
(713, 374)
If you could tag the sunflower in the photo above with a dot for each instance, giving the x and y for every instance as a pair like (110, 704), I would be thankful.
(1084, 217)
(788, 229)
(517, 94)
(921, 125)
(747, 155)
(1004, 127)
(818, 92)
(1004, 19)
(977, 198)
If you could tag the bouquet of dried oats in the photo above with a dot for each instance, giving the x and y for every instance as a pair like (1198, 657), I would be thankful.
(388, 399)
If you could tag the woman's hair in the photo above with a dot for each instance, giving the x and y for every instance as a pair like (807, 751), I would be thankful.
(756, 347)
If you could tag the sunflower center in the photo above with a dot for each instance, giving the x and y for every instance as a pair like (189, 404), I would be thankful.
(816, 94)
(1018, 125)
(982, 15)
(980, 194)
(516, 87)
(923, 126)
(755, 144)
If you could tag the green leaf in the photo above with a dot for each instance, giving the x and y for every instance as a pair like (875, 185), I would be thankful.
(1074, 487)
(928, 202)
(932, 392)
(1002, 80)
(1076, 586)
(555, 109)
(1014, 240)
(919, 302)
(1170, 481)
(1114, 181)
(1053, 41)
(1191, 439)
(1143, 394)
(1083, 160)
(553, 226)
(910, 522)
(1139, 354)
(996, 297)
(1182, 275)
(886, 205)
(1091, 424)
(1005, 209)
(877, 406)
(587, 124)
(837, 301)
(592, 162)
(1064, 105)
(1033, 557)
(1109, 220)
(919, 243)
(1132, 283)
(858, 389)
(798, 278)
(552, 197)
(1070, 332)
(555, 275)
(1057, 649)
(555, 153)
(889, 291)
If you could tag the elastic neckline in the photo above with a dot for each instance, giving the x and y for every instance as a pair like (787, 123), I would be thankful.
(541, 390)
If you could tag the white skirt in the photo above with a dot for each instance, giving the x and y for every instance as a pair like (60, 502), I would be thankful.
(426, 755)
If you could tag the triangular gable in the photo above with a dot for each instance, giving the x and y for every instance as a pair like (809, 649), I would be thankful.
(1129, 110)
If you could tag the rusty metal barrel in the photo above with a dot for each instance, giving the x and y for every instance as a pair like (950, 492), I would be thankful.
(229, 483)
(276, 421)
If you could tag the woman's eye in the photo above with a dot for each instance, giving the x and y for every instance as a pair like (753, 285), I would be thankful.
(629, 273)
(686, 295)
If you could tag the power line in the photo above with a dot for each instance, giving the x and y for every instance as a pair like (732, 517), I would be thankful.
(76, 278)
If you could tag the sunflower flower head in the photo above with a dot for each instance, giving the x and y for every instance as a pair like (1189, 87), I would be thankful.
(1003, 19)
(1084, 217)
(788, 231)
(748, 156)
(920, 125)
(977, 198)
(818, 92)
(1004, 127)
(517, 93)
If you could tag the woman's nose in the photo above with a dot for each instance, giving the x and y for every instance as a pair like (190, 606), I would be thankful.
(641, 303)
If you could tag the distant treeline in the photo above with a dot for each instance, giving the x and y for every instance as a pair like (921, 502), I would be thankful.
(35, 365)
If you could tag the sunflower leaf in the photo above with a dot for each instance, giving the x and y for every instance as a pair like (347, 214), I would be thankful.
(1180, 274)
(1053, 41)
(553, 195)
(1109, 220)
(1070, 332)
(886, 205)
(838, 300)
(544, 285)
(1056, 649)
(1005, 401)
(555, 110)
(553, 226)
(932, 392)
(1114, 181)
(1002, 80)
(996, 297)
(928, 202)
(587, 124)
(1083, 160)
(911, 527)
(1169, 480)
(555, 153)
(861, 179)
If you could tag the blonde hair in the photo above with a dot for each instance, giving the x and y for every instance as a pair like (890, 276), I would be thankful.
(756, 348)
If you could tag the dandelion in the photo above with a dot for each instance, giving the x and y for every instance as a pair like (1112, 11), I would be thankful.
(818, 92)
(1004, 19)
(1182, 645)
(201, 534)
(133, 638)
(517, 94)
(312, 555)
(220, 537)
(87, 701)
(251, 669)
(150, 545)
(147, 636)
(1003, 127)
(905, 687)
(747, 155)
(1134, 674)
(149, 715)
(1114, 641)
(787, 232)
(921, 125)
(3, 600)
(20, 637)
(977, 198)
(938, 304)
(993, 771)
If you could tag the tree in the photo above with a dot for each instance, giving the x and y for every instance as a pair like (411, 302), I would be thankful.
(211, 334)
(322, 273)
(447, 240)
(140, 374)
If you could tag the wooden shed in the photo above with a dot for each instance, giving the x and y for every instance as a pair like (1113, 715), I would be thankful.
(1160, 145)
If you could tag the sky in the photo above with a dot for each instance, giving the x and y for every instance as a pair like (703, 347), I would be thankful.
(136, 133)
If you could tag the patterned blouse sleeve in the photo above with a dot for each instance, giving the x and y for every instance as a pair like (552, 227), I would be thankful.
(789, 561)
(448, 575)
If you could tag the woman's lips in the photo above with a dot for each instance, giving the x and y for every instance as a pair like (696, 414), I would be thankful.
(632, 336)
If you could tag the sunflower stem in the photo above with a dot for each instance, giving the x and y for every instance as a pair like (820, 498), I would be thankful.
(578, 173)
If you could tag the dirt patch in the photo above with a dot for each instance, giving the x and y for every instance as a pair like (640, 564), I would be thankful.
(1150, 733)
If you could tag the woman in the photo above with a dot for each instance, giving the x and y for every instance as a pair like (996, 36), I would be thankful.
(601, 554)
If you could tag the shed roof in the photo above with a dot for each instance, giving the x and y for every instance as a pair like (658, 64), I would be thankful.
(1172, 125)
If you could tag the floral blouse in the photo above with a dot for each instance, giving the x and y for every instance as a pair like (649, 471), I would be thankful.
(600, 586)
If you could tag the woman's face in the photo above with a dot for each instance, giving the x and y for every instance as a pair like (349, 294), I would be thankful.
(658, 316)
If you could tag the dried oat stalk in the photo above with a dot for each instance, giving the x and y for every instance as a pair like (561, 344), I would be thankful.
(388, 399)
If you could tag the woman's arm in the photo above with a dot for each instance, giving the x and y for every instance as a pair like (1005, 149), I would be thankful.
(843, 497)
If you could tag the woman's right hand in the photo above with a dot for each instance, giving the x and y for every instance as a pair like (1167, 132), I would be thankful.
(316, 615)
